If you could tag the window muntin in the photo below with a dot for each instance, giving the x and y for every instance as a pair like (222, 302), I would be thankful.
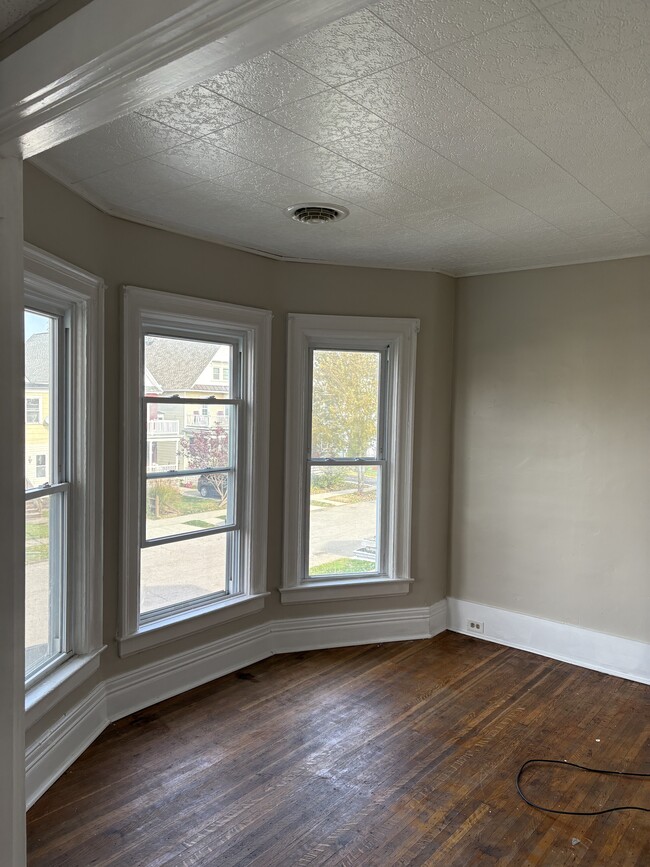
(47, 493)
(190, 480)
(345, 462)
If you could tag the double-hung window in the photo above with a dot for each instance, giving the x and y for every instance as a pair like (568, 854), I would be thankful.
(196, 456)
(47, 496)
(348, 457)
(63, 478)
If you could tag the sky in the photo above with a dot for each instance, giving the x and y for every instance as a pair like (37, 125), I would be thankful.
(34, 324)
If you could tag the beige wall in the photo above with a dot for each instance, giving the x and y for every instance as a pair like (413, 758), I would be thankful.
(121, 252)
(551, 499)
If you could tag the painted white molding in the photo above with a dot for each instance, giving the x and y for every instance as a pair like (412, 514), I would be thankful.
(63, 680)
(345, 630)
(163, 631)
(57, 748)
(60, 85)
(438, 618)
(150, 684)
(587, 648)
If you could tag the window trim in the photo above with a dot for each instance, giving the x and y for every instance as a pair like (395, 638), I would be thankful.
(309, 331)
(52, 282)
(147, 310)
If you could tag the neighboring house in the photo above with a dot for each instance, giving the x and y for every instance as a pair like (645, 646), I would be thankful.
(37, 410)
(189, 370)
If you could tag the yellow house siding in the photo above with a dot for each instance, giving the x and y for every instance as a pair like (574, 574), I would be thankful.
(37, 438)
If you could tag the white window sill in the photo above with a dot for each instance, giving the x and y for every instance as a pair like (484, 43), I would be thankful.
(355, 588)
(189, 622)
(46, 694)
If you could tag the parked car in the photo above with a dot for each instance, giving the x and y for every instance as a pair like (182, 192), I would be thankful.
(206, 486)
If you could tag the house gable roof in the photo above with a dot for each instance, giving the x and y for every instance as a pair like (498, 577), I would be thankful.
(37, 359)
(177, 364)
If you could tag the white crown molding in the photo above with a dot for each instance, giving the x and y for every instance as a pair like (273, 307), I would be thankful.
(611, 654)
(60, 85)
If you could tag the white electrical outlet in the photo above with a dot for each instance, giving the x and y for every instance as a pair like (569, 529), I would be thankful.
(475, 626)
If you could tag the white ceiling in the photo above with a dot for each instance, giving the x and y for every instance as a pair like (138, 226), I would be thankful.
(13, 11)
(464, 136)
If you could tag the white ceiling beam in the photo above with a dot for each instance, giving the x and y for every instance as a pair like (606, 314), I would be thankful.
(114, 56)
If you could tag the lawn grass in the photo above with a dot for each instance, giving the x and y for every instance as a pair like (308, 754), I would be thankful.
(345, 565)
(356, 497)
(37, 529)
(198, 523)
(37, 553)
(171, 503)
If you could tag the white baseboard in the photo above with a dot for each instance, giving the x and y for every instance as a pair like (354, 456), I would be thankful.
(599, 651)
(48, 757)
(438, 618)
(343, 630)
(150, 684)
(53, 753)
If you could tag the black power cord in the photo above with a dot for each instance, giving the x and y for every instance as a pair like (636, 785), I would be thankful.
(582, 768)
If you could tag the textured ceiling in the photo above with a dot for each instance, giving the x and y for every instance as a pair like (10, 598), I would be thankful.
(12, 11)
(463, 135)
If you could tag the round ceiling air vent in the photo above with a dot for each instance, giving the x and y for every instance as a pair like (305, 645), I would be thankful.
(316, 213)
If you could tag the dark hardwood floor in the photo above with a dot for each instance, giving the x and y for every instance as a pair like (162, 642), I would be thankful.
(394, 754)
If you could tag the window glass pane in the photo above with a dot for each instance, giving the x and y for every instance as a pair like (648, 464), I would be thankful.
(345, 404)
(188, 436)
(185, 367)
(343, 520)
(182, 572)
(43, 581)
(40, 421)
(186, 504)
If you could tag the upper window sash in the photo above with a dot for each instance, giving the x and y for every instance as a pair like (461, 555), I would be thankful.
(383, 406)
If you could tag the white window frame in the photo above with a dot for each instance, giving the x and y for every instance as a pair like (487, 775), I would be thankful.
(54, 285)
(399, 338)
(147, 311)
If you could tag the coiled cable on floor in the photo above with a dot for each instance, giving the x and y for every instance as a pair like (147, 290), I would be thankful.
(564, 763)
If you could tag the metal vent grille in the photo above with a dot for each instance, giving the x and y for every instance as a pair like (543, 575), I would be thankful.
(315, 214)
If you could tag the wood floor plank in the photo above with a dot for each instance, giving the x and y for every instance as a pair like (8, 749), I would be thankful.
(392, 755)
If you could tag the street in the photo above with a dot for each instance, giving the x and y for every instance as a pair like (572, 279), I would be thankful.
(180, 571)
